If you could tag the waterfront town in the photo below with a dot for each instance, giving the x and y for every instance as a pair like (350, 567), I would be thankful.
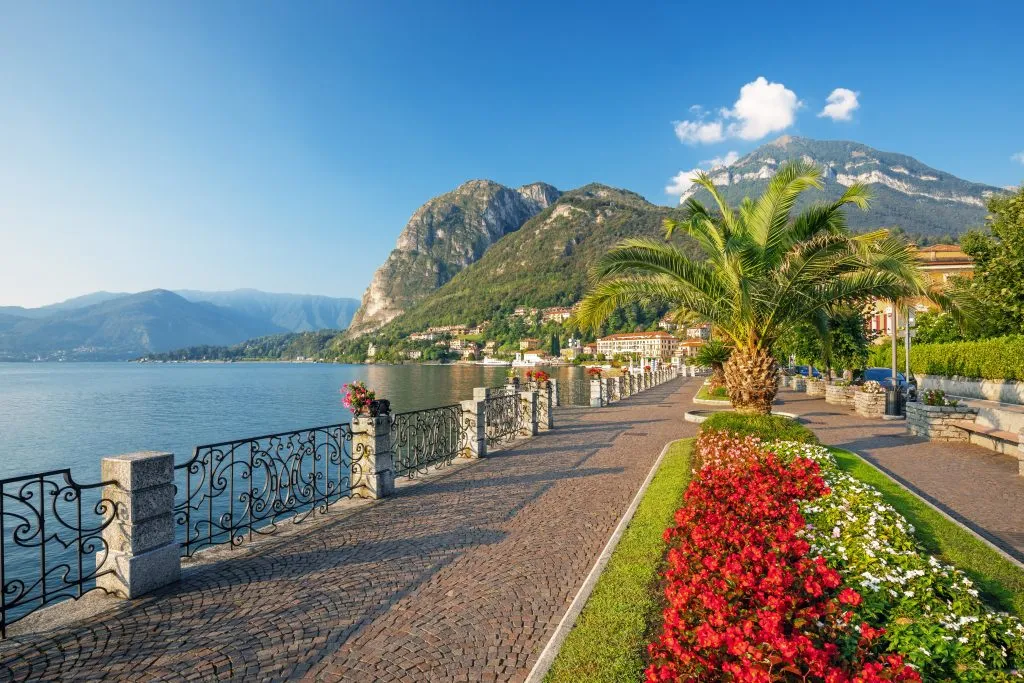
(671, 341)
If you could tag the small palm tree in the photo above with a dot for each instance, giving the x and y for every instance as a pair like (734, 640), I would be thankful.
(765, 270)
(714, 355)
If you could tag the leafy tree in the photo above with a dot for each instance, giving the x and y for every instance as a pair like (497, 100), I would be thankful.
(994, 296)
(935, 327)
(764, 272)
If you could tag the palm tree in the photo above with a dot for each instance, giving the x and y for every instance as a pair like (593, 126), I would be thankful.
(714, 355)
(765, 271)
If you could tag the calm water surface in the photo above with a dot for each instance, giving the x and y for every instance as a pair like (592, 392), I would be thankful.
(56, 415)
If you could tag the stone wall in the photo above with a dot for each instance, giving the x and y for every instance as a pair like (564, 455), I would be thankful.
(869, 405)
(815, 387)
(839, 395)
(1003, 391)
(935, 423)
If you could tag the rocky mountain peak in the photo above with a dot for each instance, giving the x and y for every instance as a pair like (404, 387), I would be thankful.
(442, 237)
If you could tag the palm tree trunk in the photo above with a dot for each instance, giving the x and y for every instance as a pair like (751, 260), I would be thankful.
(751, 378)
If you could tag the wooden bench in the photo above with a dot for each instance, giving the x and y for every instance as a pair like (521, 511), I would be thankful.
(1001, 441)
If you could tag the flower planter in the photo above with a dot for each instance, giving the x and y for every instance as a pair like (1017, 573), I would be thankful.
(815, 387)
(798, 383)
(935, 423)
(839, 395)
(868, 404)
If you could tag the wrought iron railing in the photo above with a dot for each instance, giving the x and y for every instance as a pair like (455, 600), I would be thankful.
(428, 438)
(52, 545)
(232, 490)
(574, 392)
(503, 417)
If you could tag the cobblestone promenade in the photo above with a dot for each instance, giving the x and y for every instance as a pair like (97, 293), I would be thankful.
(462, 578)
(970, 483)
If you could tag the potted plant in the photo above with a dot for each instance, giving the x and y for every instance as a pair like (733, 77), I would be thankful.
(869, 401)
(357, 398)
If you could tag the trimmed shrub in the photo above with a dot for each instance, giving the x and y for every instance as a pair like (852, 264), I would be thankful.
(1000, 358)
(765, 427)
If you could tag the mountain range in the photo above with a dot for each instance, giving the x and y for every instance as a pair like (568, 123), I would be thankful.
(475, 253)
(544, 259)
(117, 326)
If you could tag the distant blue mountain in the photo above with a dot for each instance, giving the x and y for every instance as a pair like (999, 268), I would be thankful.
(293, 312)
(115, 326)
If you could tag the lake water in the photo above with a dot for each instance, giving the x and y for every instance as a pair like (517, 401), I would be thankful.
(56, 415)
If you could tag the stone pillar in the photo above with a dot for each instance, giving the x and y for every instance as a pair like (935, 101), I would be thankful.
(554, 392)
(545, 418)
(596, 387)
(609, 390)
(634, 386)
(473, 421)
(140, 540)
(528, 404)
(373, 472)
(620, 387)
(484, 393)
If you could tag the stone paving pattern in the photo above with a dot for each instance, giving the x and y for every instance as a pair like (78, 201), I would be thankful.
(976, 486)
(462, 578)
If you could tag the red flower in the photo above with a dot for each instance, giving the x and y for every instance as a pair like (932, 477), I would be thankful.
(745, 600)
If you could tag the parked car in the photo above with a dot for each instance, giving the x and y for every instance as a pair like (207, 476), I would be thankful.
(802, 370)
(884, 377)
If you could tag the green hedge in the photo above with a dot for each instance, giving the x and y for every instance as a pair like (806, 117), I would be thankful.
(999, 358)
(766, 427)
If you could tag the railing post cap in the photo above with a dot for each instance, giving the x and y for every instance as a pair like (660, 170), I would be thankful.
(139, 470)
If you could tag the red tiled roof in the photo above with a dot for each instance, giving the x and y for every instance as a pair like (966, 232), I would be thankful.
(638, 335)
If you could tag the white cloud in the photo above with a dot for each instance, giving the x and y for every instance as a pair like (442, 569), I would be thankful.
(840, 104)
(762, 108)
(681, 182)
(729, 159)
(1018, 157)
(696, 131)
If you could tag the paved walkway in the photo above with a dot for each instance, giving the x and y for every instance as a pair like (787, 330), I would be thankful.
(462, 578)
(970, 483)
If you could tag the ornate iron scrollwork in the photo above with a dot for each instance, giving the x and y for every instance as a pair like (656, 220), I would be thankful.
(503, 416)
(428, 438)
(51, 546)
(235, 489)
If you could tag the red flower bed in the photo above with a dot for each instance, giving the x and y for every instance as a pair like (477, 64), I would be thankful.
(746, 602)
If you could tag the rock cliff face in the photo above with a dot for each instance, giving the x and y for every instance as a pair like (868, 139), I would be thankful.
(444, 236)
(906, 193)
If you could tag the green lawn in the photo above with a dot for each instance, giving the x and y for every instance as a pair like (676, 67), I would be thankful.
(719, 394)
(1001, 581)
(610, 637)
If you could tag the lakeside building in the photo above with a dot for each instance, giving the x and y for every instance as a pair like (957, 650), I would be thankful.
(454, 330)
(659, 344)
(702, 331)
(667, 323)
(590, 349)
(423, 336)
(529, 344)
(558, 314)
(524, 312)
(687, 349)
(939, 262)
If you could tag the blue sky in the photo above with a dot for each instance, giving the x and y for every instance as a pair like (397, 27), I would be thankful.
(283, 146)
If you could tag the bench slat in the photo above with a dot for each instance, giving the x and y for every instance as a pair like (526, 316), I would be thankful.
(969, 426)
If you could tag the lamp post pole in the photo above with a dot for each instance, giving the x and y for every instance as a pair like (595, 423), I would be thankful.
(895, 334)
(908, 319)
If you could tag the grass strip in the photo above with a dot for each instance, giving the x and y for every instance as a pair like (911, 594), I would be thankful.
(1001, 582)
(719, 394)
(609, 640)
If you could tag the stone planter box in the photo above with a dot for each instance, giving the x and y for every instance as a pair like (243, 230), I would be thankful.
(798, 383)
(869, 405)
(815, 387)
(839, 395)
(935, 423)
